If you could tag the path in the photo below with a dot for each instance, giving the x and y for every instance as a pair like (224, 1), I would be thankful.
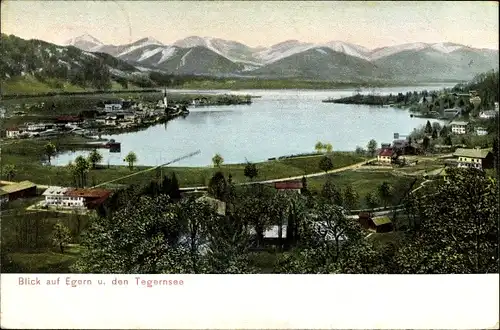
(291, 178)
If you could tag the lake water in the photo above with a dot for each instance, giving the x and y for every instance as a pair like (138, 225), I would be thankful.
(280, 122)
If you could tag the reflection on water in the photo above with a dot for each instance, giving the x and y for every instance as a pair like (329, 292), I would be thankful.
(281, 122)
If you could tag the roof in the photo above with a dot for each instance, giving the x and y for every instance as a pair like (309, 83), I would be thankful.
(386, 152)
(288, 185)
(460, 123)
(489, 113)
(88, 193)
(378, 221)
(472, 153)
(15, 187)
(54, 190)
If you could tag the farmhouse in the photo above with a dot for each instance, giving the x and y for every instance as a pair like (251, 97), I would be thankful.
(459, 127)
(474, 158)
(288, 186)
(18, 190)
(385, 156)
(378, 224)
(62, 197)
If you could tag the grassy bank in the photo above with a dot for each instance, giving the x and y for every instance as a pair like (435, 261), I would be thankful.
(26, 155)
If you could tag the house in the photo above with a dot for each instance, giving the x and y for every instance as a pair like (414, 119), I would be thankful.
(12, 133)
(62, 197)
(382, 224)
(73, 120)
(35, 127)
(474, 158)
(113, 105)
(288, 186)
(488, 114)
(385, 156)
(496, 106)
(218, 205)
(481, 131)
(459, 127)
(18, 190)
(452, 112)
(92, 198)
(110, 121)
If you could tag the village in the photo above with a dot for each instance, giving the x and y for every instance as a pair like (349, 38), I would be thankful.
(107, 116)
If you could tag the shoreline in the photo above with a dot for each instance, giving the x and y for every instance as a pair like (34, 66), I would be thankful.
(216, 86)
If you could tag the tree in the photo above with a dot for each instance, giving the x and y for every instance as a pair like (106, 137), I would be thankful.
(95, 157)
(434, 134)
(131, 158)
(436, 126)
(50, 150)
(372, 200)
(372, 147)
(428, 128)
(458, 228)
(448, 141)
(319, 147)
(426, 143)
(175, 192)
(9, 171)
(217, 160)
(350, 198)
(385, 192)
(251, 171)
(445, 131)
(331, 193)
(147, 235)
(217, 186)
(328, 147)
(61, 236)
(80, 169)
(360, 151)
(304, 190)
(325, 164)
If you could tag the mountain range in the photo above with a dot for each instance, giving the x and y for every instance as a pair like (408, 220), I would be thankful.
(87, 62)
(334, 60)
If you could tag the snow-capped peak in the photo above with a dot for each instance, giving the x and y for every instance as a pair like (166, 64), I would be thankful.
(446, 47)
(387, 51)
(84, 38)
(149, 41)
(349, 49)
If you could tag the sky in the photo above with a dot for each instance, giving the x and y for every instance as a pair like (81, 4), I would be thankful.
(370, 24)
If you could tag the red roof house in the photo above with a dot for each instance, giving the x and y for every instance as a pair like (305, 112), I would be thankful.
(288, 185)
(93, 197)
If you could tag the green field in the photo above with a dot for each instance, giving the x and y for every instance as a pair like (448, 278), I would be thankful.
(363, 182)
(26, 156)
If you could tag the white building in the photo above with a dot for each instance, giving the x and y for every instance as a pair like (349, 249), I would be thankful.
(459, 127)
(35, 127)
(488, 114)
(112, 107)
(56, 197)
(12, 133)
(496, 106)
(481, 131)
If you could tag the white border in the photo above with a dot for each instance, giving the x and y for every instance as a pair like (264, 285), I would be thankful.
(255, 302)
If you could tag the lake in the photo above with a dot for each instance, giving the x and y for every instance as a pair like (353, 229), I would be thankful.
(279, 122)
